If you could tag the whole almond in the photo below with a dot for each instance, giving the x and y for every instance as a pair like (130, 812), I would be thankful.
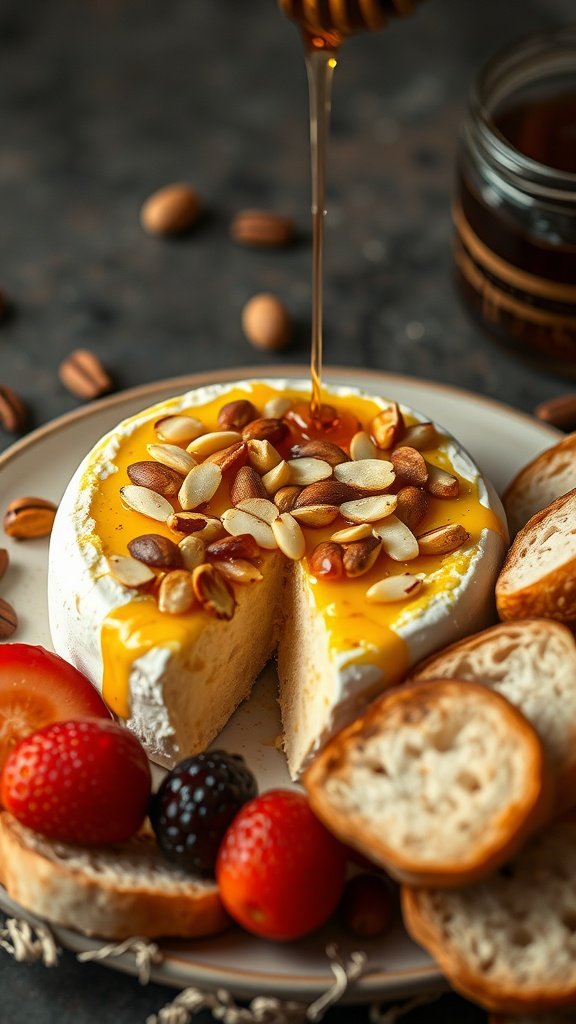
(13, 411)
(387, 427)
(410, 466)
(156, 550)
(360, 556)
(170, 210)
(333, 454)
(411, 506)
(4, 562)
(27, 518)
(176, 594)
(394, 588)
(316, 516)
(442, 539)
(266, 322)
(326, 561)
(147, 502)
(326, 492)
(262, 228)
(8, 620)
(236, 415)
(230, 459)
(129, 571)
(179, 429)
(247, 484)
(285, 498)
(272, 430)
(199, 486)
(441, 484)
(241, 546)
(213, 592)
(83, 374)
(156, 477)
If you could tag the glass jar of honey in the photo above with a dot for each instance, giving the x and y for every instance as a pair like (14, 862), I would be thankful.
(515, 198)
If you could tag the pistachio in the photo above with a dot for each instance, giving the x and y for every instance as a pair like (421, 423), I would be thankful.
(326, 561)
(156, 550)
(27, 518)
(236, 415)
(156, 477)
(213, 592)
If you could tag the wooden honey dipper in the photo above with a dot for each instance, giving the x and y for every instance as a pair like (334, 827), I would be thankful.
(334, 20)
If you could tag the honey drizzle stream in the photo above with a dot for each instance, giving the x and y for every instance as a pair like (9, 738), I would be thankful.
(320, 65)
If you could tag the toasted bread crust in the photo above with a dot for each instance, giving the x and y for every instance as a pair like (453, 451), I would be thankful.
(55, 885)
(505, 831)
(540, 481)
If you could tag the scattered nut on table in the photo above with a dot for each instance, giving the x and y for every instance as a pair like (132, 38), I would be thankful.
(266, 322)
(170, 210)
(27, 518)
(83, 374)
(262, 228)
(13, 411)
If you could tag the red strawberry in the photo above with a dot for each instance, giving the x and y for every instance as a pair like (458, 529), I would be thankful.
(86, 781)
(279, 870)
(37, 687)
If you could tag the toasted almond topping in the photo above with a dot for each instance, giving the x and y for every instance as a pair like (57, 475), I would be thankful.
(276, 408)
(236, 521)
(362, 447)
(422, 436)
(387, 427)
(394, 588)
(442, 539)
(266, 429)
(360, 556)
(259, 507)
(213, 592)
(441, 484)
(129, 572)
(285, 498)
(369, 510)
(247, 484)
(176, 594)
(179, 429)
(326, 561)
(352, 533)
(193, 551)
(304, 472)
(412, 506)
(373, 475)
(316, 515)
(316, 448)
(215, 441)
(398, 541)
(147, 502)
(410, 466)
(238, 570)
(241, 546)
(230, 459)
(200, 524)
(156, 550)
(277, 477)
(172, 456)
(157, 477)
(263, 456)
(236, 415)
(200, 485)
(289, 536)
(326, 492)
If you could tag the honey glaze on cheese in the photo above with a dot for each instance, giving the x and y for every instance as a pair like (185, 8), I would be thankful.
(359, 631)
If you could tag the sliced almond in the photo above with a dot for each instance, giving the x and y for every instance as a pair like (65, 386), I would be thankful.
(200, 485)
(369, 510)
(276, 408)
(235, 521)
(262, 508)
(394, 588)
(147, 502)
(289, 536)
(372, 475)
(213, 592)
(316, 516)
(263, 456)
(238, 570)
(241, 546)
(360, 556)
(230, 459)
(247, 484)
(412, 506)
(193, 551)
(326, 492)
(285, 498)
(443, 539)
(236, 415)
(156, 550)
(215, 441)
(316, 448)
(422, 436)
(172, 456)
(326, 561)
(398, 541)
(129, 572)
(387, 427)
(410, 466)
(277, 477)
(179, 429)
(206, 528)
(441, 484)
(176, 592)
(305, 471)
(352, 533)
(157, 477)
(362, 446)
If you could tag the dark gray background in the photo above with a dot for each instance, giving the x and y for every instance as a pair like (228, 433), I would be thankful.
(103, 101)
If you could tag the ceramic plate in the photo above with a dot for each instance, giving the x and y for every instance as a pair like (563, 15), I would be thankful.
(500, 439)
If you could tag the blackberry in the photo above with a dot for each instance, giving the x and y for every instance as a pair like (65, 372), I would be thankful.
(194, 805)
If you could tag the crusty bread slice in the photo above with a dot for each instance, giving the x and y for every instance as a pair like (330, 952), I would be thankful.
(508, 942)
(113, 892)
(531, 662)
(539, 572)
(439, 782)
(539, 482)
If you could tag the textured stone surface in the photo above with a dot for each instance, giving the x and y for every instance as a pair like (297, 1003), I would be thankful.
(103, 101)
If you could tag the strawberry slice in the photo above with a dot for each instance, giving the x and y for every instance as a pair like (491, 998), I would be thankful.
(37, 688)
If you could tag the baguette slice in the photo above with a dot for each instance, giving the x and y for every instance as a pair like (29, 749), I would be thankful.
(508, 942)
(539, 482)
(113, 892)
(531, 662)
(439, 782)
(538, 577)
